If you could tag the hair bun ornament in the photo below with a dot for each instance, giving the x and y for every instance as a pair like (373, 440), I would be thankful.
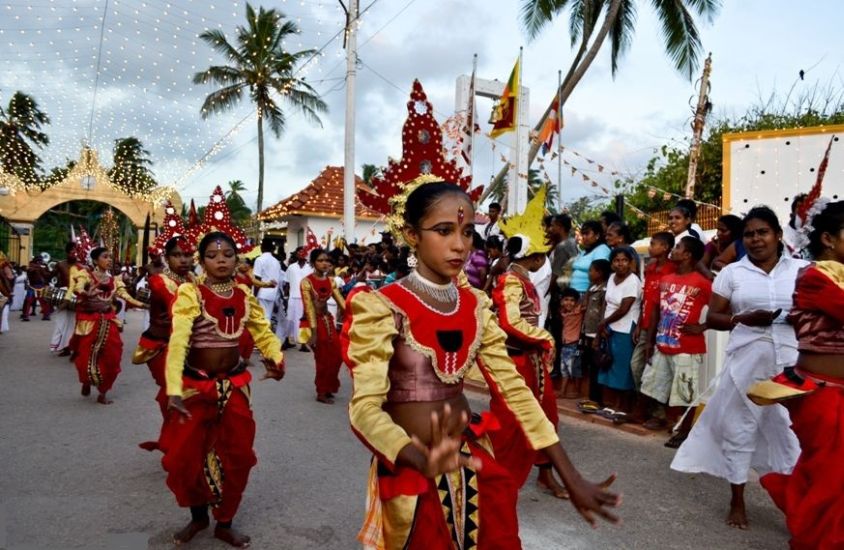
(423, 156)
(217, 217)
(173, 227)
(528, 225)
(813, 205)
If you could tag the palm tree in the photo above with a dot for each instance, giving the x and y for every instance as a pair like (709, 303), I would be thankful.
(370, 172)
(679, 32)
(131, 170)
(260, 66)
(240, 213)
(20, 129)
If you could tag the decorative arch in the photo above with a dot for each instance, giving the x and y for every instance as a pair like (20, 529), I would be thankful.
(88, 180)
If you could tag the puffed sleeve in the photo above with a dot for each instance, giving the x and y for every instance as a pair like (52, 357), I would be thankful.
(507, 296)
(121, 292)
(78, 282)
(723, 283)
(367, 343)
(307, 323)
(185, 311)
(259, 327)
(506, 383)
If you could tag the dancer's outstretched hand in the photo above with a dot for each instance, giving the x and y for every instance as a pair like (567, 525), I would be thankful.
(275, 371)
(443, 455)
(591, 499)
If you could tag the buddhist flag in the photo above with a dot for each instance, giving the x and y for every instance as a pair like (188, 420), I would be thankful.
(553, 125)
(503, 118)
(470, 127)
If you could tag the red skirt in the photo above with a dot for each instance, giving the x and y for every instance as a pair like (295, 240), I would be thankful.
(154, 353)
(208, 457)
(812, 496)
(512, 449)
(465, 509)
(327, 356)
(97, 349)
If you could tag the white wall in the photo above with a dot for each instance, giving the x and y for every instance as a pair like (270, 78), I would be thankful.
(365, 230)
(771, 170)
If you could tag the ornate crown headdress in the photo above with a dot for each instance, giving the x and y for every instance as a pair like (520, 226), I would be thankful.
(813, 204)
(423, 161)
(528, 226)
(173, 227)
(218, 218)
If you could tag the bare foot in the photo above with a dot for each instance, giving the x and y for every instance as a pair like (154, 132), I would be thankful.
(189, 531)
(231, 536)
(103, 400)
(738, 516)
(86, 389)
(548, 484)
(324, 398)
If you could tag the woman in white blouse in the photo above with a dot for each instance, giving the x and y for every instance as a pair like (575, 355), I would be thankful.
(623, 303)
(750, 298)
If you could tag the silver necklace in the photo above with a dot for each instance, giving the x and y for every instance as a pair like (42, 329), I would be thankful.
(446, 293)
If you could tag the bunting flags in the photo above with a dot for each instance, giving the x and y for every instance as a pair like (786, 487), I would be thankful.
(503, 117)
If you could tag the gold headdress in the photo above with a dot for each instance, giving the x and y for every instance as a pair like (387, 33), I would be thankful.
(398, 204)
(528, 226)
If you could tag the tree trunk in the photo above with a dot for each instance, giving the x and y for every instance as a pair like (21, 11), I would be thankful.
(578, 68)
(260, 163)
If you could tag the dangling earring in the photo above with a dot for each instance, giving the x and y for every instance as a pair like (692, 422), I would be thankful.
(411, 259)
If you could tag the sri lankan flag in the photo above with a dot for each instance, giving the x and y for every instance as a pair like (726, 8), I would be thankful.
(503, 118)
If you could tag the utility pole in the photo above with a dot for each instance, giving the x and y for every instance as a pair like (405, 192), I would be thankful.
(701, 111)
(349, 150)
(560, 140)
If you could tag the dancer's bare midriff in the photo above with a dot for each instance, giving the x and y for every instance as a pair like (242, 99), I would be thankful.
(214, 360)
(822, 364)
(415, 417)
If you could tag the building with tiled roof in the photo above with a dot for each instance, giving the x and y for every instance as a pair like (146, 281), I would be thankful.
(319, 206)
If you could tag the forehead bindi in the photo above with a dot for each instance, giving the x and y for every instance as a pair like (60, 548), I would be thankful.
(450, 209)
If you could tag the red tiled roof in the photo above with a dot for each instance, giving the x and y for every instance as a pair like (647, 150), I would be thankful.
(322, 197)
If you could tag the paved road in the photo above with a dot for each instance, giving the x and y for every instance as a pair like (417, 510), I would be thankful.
(73, 476)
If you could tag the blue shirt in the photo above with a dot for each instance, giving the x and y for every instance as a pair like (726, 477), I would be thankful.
(580, 267)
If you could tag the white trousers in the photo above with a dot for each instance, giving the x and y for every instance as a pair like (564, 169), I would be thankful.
(281, 325)
(63, 325)
(4, 318)
(295, 309)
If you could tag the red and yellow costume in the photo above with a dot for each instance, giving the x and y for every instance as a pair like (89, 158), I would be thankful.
(318, 323)
(400, 350)
(530, 348)
(96, 346)
(812, 496)
(152, 347)
(209, 455)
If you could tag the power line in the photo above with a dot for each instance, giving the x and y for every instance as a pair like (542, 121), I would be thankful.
(97, 76)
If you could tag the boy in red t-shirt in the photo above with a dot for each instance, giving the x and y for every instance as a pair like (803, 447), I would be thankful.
(672, 375)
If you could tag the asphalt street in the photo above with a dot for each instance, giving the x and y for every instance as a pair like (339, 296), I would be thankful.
(74, 477)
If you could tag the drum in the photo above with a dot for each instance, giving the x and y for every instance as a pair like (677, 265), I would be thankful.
(56, 297)
(143, 294)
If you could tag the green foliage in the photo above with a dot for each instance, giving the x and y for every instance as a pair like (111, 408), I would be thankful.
(20, 129)
(241, 214)
(52, 230)
(131, 172)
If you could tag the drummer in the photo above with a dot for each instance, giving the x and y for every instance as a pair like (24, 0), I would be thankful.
(64, 272)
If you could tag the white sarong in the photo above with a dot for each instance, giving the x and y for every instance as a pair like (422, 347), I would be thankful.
(64, 322)
(295, 309)
(732, 434)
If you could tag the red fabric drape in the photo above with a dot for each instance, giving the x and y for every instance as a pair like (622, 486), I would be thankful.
(97, 355)
(327, 356)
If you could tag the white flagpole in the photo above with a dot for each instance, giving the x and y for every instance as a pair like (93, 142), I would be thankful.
(516, 184)
(472, 121)
(560, 139)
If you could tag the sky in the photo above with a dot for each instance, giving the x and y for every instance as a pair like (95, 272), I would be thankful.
(150, 52)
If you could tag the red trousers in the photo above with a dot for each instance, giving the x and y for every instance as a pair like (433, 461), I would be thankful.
(208, 456)
(327, 356)
(153, 352)
(98, 353)
(812, 496)
(512, 449)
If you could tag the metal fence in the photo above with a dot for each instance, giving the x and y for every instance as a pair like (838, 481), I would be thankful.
(10, 241)
(707, 218)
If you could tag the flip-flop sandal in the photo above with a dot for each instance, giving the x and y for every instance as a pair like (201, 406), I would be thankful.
(588, 407)
(619, 418)
(607, 413)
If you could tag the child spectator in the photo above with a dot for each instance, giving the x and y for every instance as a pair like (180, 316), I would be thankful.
(624, 295)
(672, 376)
(659, 266)
(594, 304)
(570, 357)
